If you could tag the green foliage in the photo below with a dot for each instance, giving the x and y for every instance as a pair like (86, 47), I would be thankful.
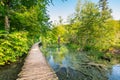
(28, 22)
(105, 10)
(58, 31)
(29, 15)
(72, 30)
(12, 46)
(89, 30)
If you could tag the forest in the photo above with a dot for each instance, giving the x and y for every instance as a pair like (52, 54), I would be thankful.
(91, 28)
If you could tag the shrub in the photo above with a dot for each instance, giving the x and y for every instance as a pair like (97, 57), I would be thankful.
(12, 46)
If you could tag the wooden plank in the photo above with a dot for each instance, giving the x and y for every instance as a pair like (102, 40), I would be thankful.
(36, 67)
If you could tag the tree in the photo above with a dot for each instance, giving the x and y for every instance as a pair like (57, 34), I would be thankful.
(105, 10)
(78, 10)
(60, 20)
(90, 30)
(6, 5)
(77, 15)
(9, 7)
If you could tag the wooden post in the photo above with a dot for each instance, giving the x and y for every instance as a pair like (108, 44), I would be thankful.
(59, 40)
(59, 43)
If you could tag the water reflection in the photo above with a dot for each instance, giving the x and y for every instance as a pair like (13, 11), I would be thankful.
(10, 72)
(58, 57)
(68, 65)
(115, 73)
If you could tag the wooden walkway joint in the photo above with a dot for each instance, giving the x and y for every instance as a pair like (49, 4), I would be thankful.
(36, 67)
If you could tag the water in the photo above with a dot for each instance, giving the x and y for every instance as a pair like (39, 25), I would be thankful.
(115, 73)
(71, 65)
(10, 72)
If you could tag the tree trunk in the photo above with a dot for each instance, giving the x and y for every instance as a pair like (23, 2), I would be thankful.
(7, 25)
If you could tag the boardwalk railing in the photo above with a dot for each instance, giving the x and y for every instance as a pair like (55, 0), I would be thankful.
(36, 67)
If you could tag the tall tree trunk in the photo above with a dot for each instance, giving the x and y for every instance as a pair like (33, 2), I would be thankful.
(7, 25)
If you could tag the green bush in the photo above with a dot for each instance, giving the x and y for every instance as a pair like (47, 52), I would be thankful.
(12, 46)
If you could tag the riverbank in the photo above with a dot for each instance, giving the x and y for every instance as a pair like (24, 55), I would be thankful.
(10, 71)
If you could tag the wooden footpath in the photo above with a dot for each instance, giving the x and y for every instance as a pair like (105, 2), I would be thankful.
(36, 67)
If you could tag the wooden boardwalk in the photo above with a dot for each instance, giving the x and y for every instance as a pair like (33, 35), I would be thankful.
(36, 67)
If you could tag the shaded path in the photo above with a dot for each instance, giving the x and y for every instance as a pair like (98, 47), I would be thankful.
(36, 67)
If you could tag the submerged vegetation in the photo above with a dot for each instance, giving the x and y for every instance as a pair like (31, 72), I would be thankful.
(74, 65)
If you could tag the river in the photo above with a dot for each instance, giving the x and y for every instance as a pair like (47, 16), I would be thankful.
(69, 65)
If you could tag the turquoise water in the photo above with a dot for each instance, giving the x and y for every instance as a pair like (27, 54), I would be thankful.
(72, 65)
